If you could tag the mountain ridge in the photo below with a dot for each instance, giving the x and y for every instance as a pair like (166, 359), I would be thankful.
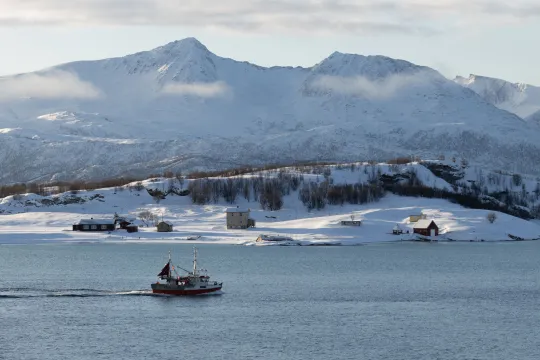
(519, 98)
(181, 106)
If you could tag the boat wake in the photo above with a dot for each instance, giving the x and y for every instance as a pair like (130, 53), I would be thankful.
(23, 293)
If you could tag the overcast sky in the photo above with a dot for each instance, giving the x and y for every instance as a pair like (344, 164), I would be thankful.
(486, 37)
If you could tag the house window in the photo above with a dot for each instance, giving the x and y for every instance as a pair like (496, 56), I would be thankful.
(85, 227)
(93, 227)
(103, 227)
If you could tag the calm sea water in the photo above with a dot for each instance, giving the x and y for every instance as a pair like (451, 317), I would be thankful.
(399, 301)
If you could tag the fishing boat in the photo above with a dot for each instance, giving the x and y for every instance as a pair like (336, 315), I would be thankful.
(196, 282)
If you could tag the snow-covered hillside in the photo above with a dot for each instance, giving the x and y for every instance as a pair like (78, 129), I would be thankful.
(534, 117)
(31, 218)
(181, 106)
(520, 99)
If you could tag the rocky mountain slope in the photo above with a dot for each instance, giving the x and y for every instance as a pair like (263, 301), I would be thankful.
(181, 106)
(520, 99)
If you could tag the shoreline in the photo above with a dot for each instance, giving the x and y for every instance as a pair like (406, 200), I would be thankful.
(293, 243)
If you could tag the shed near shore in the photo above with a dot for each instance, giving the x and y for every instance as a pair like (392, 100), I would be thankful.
(164, 226)
(426, 228)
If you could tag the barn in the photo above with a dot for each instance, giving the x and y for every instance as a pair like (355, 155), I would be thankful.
(426, 228)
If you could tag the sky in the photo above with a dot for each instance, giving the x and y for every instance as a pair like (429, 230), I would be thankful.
(456, 37)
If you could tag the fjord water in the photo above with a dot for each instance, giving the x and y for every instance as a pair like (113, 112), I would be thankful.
(398, 301)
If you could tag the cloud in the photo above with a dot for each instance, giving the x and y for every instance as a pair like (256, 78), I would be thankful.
(206, 90)
(264, 16)
(372, 89)
(50, 85)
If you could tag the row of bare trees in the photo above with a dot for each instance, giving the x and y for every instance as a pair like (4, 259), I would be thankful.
(269, 191)
(52, 188)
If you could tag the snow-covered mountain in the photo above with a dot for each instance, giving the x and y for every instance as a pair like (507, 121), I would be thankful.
(520, 99)
(181, 106)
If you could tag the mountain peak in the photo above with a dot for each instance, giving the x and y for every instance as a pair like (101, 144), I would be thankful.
(372, 66)
(181, 60)
(189, 44)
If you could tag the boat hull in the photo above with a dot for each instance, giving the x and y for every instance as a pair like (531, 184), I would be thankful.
(182, 291)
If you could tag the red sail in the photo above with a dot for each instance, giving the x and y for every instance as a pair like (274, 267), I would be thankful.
(164, 271)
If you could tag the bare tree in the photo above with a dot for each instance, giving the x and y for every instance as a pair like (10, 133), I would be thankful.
(246, 191)
(517, 179)
(491, 217)
(271, 197)
(170, 185)
(146, 216)
(180, 179)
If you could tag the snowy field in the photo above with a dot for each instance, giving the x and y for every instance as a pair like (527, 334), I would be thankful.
(28, 224)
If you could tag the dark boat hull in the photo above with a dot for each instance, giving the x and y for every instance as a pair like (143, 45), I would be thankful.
(181, 290)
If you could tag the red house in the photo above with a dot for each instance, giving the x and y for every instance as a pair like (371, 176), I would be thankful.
(426, 228)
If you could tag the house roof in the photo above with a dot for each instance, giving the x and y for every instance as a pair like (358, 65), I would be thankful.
(165, 222)
(237, 210)
(96, 222)
(423, 224)
(124, 218)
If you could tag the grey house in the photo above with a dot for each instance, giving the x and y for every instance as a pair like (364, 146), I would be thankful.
(238, 218)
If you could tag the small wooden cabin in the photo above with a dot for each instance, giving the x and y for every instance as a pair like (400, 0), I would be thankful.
(426, 228)
(397, 230)
(123, 222)
(164, 226)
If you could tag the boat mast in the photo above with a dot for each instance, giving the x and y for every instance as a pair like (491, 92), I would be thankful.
(194, 260)
(169, 264)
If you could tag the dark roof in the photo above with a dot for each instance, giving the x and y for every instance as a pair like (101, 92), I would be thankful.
(96, 222)
(237, 210)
